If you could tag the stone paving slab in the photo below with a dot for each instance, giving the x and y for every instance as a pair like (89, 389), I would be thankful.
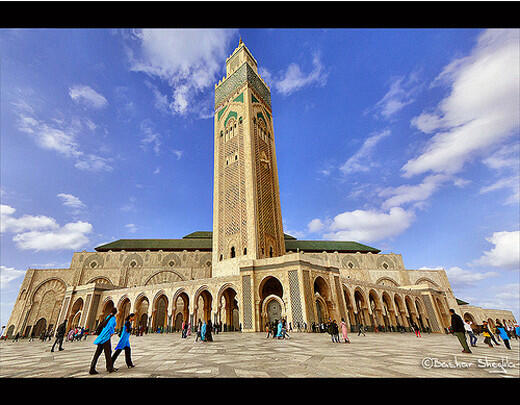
(251, 355)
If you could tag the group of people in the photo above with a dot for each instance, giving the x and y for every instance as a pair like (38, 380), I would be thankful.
(333, 330)
(502, 332)
(277, 329)
(205, 330)
(106, 329)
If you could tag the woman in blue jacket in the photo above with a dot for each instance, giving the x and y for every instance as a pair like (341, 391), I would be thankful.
(103, 343)
(124, 342)
(503, 334)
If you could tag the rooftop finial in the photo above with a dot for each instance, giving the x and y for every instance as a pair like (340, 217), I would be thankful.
(240, 42)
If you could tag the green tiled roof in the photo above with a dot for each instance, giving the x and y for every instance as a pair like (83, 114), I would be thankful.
(202, 240)
(460, 302)
(327, 246)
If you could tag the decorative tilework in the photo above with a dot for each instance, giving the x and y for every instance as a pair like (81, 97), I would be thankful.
(294, 290)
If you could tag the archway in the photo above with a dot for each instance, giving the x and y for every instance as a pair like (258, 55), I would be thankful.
(445, 318)
(40, 327)
(229, 303)
(375, 308)
(350, 307)
(270, 289)
(123, 311)
(402, 319)
(411, 310)
(160, 313)
(321, 309)
(141, 312)
(181, 310)
(75, 314)
(388, 312)
(322, 300)
(361, 308)
(421, 314)
(470, 318)
(203, 306)
(107, 309)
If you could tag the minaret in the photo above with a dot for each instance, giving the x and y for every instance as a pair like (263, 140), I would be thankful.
(247, 220)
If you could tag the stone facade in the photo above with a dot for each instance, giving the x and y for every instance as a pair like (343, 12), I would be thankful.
(241, 274)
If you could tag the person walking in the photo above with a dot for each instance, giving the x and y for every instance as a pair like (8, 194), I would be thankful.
(416, 329)
(209, 330)
(60, 334)
(124, 342)
(203, 329)
(344, 331)
(199, 331)
(457, 326)
(503, 334)
(103, 343)
(472, 337)
(361, 331)
(486, 333)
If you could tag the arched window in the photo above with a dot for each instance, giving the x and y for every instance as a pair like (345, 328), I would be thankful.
(232, 251)
(220, 258)
(245, 251)
(270, 251)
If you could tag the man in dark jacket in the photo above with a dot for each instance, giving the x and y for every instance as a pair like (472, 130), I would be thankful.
(457, 326)
(60, 334)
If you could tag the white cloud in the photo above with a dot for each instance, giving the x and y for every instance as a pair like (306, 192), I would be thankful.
(370, 225)
(177, 153)
(151, 138)
(408, 193)
(460, 278)
(69, 236)
(399, 95)
(130, 205)
(189, 60)
(42, 232)
(55, 135)
(8, 274)
(87, 95)
(132, 228)
(71, 201)
(359, 162)
(157, 170)
(505, 254)
(481, 111)
(512, 183)
(294, 79)
(315, 225)
(8, 223)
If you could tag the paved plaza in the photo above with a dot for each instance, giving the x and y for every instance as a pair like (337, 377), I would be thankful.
(251, 355)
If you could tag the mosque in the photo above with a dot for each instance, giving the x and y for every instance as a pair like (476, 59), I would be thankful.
(247, 271)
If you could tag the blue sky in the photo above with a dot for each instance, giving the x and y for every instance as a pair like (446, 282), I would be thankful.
(406, 140)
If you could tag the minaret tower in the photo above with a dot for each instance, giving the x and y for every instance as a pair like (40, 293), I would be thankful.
(247, 220)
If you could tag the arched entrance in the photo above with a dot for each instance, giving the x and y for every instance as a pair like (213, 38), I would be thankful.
(204, 305)
(361, 308)
(181, 309)
(160, 314)
(271, 290)
(322, 301)
(350, 307)
(40, 327)
(123, 311)
(402, 320)
(230, 314)
(388, 312)
(141, 312)
(421, 314)
(445, 318)
(470, 318)
(75, 314)
(411, 310)
(375, 308)
(274, 311)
